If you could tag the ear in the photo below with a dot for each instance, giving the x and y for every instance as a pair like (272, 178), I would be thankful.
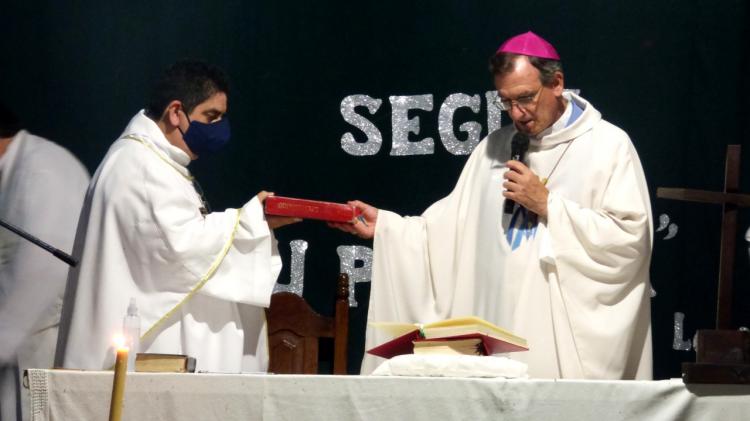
(558, 84)
(172, 113)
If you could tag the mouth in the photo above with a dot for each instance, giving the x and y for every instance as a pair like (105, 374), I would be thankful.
(524, 126)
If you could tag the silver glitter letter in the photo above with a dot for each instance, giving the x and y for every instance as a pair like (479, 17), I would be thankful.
(349, 256)
(374, 138)
(494, 115)
(472, 128)
(297, 269)
(677, 343)
(402, 125)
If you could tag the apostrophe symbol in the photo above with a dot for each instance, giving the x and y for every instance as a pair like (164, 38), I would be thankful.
(664, 224)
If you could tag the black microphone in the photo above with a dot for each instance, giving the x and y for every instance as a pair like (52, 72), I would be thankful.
(518, 147)
(65, 257)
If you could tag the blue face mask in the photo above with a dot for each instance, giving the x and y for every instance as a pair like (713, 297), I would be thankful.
(206, 138)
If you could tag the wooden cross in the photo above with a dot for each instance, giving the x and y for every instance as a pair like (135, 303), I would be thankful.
(722, 355)
(731, 200)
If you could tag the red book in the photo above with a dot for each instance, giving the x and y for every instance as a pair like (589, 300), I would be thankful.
(310, 209)
(405, 344)
(495, 339)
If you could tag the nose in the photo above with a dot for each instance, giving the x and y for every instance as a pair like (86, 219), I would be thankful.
(516, 112)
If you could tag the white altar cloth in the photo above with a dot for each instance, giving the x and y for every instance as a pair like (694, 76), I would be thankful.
(84, 395)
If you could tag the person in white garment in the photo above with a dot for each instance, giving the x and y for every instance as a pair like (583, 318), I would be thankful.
(200, 279)
(42, 186)
(568, 268)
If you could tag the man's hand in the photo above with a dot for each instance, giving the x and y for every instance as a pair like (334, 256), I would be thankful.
(362, 227)
(275, 221)
(524, 187)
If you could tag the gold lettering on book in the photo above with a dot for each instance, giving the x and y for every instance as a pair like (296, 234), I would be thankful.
(293, 206)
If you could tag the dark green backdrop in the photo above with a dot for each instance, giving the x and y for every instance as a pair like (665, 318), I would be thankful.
(673, 74)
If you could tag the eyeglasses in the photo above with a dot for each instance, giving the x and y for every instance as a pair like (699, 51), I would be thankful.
(525, 102)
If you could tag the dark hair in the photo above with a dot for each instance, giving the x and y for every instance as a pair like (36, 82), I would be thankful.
(502, 63)
(9, 122)
(190, 82)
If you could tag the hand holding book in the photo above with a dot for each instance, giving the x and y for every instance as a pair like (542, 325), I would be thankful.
(364, 225)
(354, 217)
(275, 221)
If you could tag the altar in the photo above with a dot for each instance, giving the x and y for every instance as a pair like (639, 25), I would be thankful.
(84, 395)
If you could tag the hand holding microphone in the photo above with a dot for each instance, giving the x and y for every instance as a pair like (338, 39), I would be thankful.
(523, 186)
(518, 147)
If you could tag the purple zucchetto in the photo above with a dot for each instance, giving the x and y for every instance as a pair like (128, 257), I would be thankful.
(529, 44)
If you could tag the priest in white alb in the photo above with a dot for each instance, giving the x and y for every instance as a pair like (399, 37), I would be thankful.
(42, 186)
(200, 279)
(566, 267)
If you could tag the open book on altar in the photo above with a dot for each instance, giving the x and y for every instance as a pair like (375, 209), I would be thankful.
(494, 339)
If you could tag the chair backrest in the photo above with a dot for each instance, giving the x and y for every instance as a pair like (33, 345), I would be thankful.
(294, 330)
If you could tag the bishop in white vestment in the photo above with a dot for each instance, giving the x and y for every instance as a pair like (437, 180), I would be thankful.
(568, 269)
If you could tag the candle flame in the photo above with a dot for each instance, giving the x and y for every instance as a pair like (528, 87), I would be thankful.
(119, 341)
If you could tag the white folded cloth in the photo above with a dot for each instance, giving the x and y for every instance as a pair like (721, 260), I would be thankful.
(452, 366)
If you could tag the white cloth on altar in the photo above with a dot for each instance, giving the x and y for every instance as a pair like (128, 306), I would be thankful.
(42, 186)
(447, 365)
(142, 235)
(575, 285)
(84, 395)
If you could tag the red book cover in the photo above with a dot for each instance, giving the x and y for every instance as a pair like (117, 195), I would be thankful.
(403, 344)
(310, 209)
(397, 346)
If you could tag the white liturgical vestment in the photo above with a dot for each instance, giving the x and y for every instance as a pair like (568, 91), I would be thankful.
(42, 186)
(200, 282)
(575, 285)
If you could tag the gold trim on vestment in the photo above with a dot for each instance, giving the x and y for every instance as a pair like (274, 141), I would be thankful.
(214, 265)
(204, 279)
(151, 148)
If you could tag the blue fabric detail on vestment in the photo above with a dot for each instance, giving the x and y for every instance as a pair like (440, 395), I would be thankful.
(574, 113)
(522, 226)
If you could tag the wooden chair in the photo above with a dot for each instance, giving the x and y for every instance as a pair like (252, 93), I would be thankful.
(294, 330)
